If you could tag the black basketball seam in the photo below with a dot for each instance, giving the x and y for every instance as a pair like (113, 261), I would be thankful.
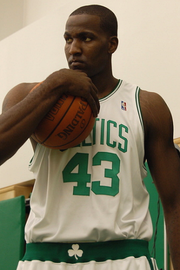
(74, 138)
(59, 121)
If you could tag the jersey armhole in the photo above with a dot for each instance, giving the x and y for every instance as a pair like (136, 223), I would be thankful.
(138, 107)
(34, 156)
(140, 116)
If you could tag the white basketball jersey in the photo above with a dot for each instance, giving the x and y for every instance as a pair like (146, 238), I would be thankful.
(94, 191)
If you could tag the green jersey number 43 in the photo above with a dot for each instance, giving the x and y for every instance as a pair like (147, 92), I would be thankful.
(81, 177)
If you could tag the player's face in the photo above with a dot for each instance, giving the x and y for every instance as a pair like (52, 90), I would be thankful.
(86, 45)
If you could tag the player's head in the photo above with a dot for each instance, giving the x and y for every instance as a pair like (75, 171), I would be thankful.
(108, 20)
(91, 39)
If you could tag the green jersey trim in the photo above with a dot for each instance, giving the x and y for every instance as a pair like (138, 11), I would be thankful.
(138, 106)
(112, 93)
(139, 112)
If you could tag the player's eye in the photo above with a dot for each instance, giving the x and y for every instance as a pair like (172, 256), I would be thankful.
(69, 40)
(87, 39)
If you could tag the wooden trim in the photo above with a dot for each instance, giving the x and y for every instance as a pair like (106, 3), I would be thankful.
(177, 141)
(171, 266)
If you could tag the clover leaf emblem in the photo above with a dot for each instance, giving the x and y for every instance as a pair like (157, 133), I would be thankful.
(75, 251)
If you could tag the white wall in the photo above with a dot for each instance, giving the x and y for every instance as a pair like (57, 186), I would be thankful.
(16, 14)
(148, 55)
(36, 9)
(11, 17)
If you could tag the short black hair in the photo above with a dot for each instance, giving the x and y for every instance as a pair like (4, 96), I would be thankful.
(108, 20)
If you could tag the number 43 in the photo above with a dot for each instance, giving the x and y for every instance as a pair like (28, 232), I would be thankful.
(82, 177)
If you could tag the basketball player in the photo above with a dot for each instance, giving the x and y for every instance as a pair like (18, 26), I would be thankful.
(89, 207)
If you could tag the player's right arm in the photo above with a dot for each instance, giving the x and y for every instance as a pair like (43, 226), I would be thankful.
(23, 110)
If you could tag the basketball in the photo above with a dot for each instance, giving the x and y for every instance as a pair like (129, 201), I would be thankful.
(66, 125)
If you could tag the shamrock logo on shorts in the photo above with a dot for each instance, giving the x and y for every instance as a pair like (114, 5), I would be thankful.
(75, 251)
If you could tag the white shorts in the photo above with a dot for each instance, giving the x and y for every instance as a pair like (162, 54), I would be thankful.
(112, 255)
(125, 264)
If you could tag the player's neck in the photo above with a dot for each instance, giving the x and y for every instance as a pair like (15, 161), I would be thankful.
(105, 85)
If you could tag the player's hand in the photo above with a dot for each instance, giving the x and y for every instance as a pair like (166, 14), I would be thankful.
(77, 83)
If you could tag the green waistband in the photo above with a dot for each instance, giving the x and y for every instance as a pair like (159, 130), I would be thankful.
(85, 252)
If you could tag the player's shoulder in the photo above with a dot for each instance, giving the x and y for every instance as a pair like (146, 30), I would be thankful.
(16, 94)
(21, 89)
(155, 111)
(149, 97)
(151, 101)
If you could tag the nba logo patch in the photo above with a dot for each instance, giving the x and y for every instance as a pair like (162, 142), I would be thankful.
(123, 106)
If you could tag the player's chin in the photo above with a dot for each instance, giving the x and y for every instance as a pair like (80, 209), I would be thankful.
(79, 69)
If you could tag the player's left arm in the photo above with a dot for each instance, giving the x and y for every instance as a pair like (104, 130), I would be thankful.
(164, 164)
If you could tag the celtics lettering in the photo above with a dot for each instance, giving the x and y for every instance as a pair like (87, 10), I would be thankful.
(108, 131)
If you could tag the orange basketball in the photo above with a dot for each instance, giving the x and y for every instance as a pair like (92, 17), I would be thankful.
(66, 125)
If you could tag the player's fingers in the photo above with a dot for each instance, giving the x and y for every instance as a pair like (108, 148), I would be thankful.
(95, 97)
(94, 103)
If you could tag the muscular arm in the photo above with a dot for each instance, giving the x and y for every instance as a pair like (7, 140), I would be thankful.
(22, 111)
(164, 165)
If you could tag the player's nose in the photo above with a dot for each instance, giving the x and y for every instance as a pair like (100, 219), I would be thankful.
(75, 47)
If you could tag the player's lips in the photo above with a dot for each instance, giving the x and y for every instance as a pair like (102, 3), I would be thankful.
(76, 64)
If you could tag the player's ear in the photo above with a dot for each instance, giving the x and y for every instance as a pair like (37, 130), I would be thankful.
(113, 43)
